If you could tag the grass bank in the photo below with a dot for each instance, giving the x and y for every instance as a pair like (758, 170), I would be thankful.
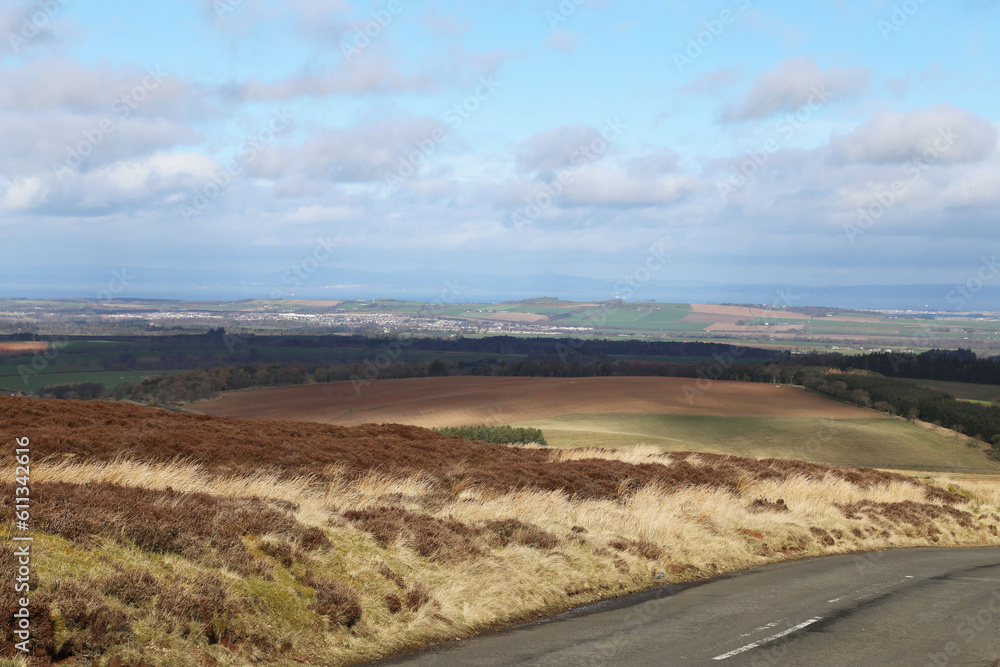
(167, 539)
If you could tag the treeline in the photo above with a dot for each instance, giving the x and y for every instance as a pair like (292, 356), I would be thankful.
(500, 435)
(949, 365)
(202, 384)
(895, 397)
(77, 390)
(217, 348)
(536, 348)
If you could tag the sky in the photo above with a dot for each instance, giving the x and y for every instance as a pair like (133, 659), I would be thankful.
(233, 143)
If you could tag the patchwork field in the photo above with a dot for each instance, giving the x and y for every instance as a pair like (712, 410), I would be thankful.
(745, 419)
(453, 401)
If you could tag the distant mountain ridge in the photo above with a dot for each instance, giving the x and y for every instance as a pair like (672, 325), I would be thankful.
(435, 285)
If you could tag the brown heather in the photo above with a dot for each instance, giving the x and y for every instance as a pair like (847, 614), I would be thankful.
(199, 526)
(98, 431)
(169, 539)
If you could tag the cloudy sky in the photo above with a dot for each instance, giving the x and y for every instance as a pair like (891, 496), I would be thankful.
(230, 141)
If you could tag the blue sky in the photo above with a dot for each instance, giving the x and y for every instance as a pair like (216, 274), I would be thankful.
(216, 141)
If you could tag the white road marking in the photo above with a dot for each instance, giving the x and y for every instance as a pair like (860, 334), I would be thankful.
(862, 592)
(765, 640)
(756, 630)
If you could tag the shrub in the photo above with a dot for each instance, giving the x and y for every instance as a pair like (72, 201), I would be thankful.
(417, 597)
(505, 531)
(438, 539)
(498, 435)
(208, 605)
(335, 600)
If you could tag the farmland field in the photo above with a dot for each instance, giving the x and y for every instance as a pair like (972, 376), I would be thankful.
(873, 441)
(107, 378)
(966, 391)
(22, 347)
(747, 419)
(452, 401)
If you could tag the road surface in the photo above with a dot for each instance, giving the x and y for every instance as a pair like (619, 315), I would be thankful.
(907, 607)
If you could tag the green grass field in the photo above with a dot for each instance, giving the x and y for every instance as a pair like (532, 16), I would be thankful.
(107, 378)
(989, 393)
(878, 441)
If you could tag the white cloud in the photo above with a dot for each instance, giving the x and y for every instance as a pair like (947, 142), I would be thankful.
(717, 79)
(615, 187)
(25, 193)
(364, 152)
(319, 214)
(945, 132)
(362, 76)
(555, 149)
(793, 83)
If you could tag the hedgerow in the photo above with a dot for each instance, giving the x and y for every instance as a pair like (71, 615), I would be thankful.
(498, 435)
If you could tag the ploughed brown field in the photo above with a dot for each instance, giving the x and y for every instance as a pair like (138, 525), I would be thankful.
(20, 347)
(449, 401)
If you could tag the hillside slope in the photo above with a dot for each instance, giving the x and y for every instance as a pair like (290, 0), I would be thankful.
(162, 538)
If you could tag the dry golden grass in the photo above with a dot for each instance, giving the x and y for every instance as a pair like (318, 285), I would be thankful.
(602, 547)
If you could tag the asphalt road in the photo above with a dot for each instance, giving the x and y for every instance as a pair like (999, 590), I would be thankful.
(912, 607)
